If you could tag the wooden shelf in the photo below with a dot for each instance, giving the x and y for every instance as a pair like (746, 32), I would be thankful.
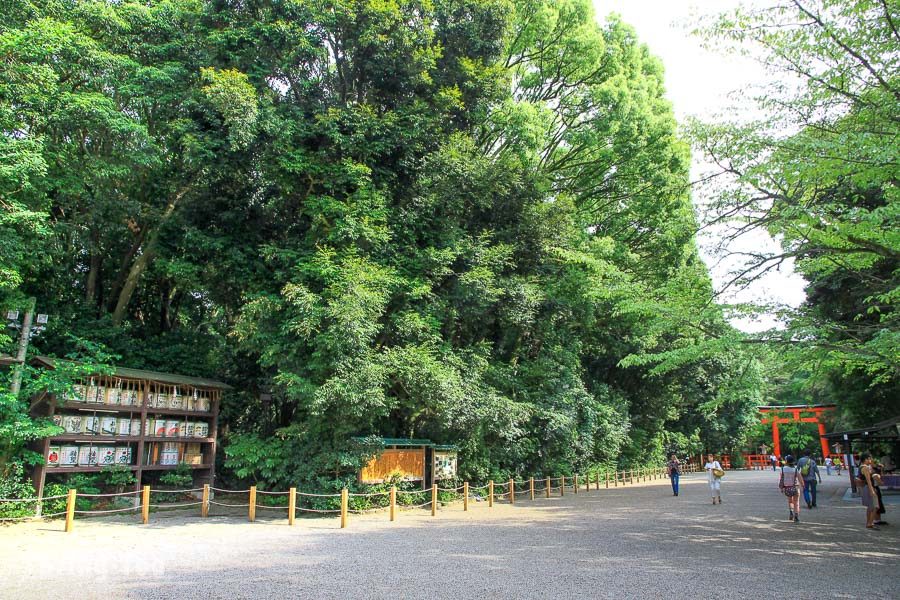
(59, 470)
(72, 437)
(113, 408)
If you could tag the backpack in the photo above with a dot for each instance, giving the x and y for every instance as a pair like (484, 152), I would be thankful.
(804, 470)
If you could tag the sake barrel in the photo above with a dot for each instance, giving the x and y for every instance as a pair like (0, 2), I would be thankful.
(173, 428)
(159, 427)
(201, 429)
(135, 427)
(106, 456)
(53, 456)
(187, 429)
(87, 456)
(123, 455)
(73, 423)
(176, 400)
(68, 456)
(124, 426)
(90, 425)
(108, 425)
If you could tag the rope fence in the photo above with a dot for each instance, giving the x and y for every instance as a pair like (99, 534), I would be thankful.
(509, 491)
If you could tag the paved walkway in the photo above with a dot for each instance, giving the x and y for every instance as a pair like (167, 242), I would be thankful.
(634, 542)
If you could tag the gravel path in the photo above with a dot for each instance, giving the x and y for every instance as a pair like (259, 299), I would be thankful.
(634, 542)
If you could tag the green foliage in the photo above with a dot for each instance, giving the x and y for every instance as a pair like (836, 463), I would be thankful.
(818, 172)
(179, 477)
(466, 221)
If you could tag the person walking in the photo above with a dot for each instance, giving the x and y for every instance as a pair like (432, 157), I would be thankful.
(790, 483)
(809, 470)
(877, 473)
(838, 465)
(714, 473)
(828, 463)
(674, 469)
(773, 459)
(867, 490)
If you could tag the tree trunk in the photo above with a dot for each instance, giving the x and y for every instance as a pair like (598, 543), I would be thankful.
(90, 288)
(143, 261)
(123, 268)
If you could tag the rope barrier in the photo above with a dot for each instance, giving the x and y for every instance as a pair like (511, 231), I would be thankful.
(401, 507)
(368, 495)
(80, 495)
(21, 519)
(221, 504)
(215, 489)
(176, 505)
(454, 490)
(320, 495)
(315, 510)
(416, 492)
(272, 493)
(363, 511)
(271, 507)
(104, 512)
(44, 499)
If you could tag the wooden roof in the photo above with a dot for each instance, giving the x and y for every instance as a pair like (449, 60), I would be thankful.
(155, 376)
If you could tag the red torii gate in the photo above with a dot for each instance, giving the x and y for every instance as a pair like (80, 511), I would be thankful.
(794, 412)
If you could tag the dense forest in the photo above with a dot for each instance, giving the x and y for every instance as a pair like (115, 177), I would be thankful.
(463, 220)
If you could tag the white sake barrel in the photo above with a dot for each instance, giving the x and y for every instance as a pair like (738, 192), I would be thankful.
(173, 428)
(159, 427)
(187, 429)
(90, 425)
(123, 455)
(73, 423)
(87, 456)
(108, 425)
(135, 427)
(106, 456)
(123, 427)
(68, 456)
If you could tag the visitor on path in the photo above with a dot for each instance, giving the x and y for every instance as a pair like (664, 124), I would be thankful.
(774, 460)
(809, 470)
(838, 465)
(878, 471)
(828, 463)
(714, 474)
(867, 492)
(790, 483)
(674, 469)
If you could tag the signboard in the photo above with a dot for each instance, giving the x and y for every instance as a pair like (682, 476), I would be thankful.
(408, 462)
(444, 465)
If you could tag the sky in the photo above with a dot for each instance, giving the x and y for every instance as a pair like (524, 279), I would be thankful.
(698, 83)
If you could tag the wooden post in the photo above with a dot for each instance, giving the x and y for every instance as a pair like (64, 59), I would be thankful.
(562, 486)
(393, 502)
(344, 501)
(145, 505)
(204, 502)
(615, 479)
(575, 485)
(490, 493)
(531, 487)
(70, 509)
(512, 491)
(548, 487)
(607, 479)
(465, 496)
(292, 505)
(597, 480)
(252, 514)
(433, 499)
(587, 483)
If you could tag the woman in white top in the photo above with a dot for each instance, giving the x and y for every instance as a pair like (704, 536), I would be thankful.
(790, 482)
(715, 483)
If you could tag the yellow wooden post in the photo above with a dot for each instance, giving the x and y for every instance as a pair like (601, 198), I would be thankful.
(252, 513)
(344, 501)
(575, 485)
(393, 502)
(587, 483)
(607, 479)
(562, 486)
(70, 510)
(292, 505)
(145, 505)
(434, 500)
(204, 501)
(465, 496)
(531, 487)
(512, 491)
(548, 487)
(490, 493)
(615, 479)
(597, 480)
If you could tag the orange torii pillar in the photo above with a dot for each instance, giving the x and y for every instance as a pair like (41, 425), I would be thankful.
(795, 411)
